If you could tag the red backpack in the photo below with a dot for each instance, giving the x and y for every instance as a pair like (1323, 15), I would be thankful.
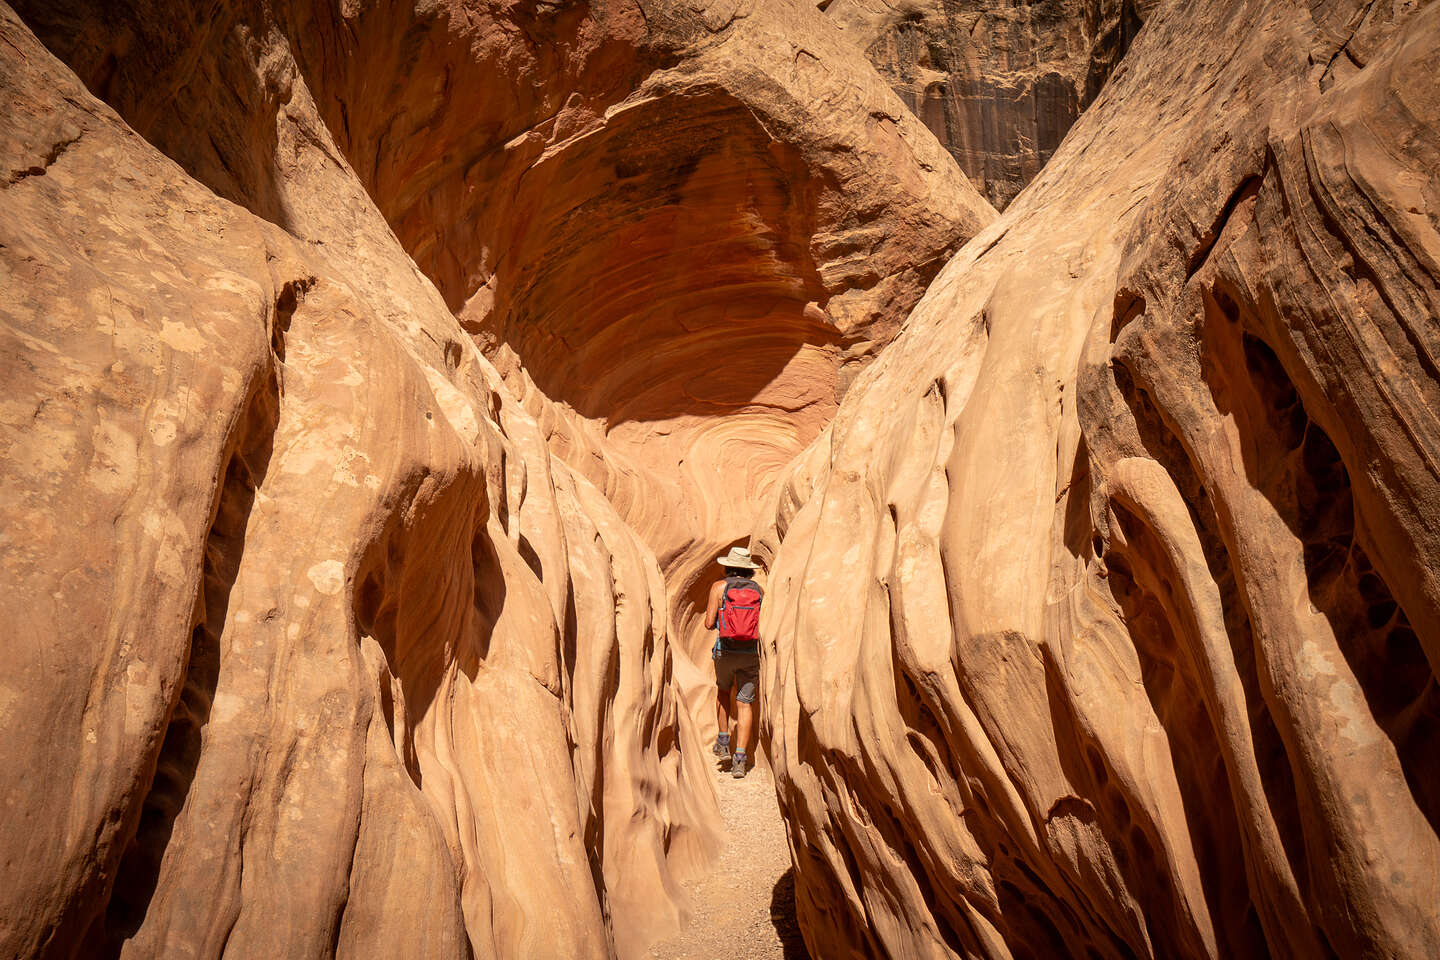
(739, 616)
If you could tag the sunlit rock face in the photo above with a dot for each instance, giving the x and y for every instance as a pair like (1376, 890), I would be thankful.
(358, 654)
(313, 648)
(999, 83)
(385, 377)
(1103, 619)
(678, 229)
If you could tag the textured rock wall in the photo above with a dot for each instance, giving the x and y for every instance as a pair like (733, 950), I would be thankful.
(1103, 619)
(1103, 615)
(676, 228)
(998, 83)
(312, 647)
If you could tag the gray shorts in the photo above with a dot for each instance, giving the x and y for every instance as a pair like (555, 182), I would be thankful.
(740, 670)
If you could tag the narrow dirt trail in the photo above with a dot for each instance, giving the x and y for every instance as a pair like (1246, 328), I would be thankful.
(744, 908)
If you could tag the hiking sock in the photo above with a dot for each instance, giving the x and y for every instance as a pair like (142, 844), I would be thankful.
(724, 739)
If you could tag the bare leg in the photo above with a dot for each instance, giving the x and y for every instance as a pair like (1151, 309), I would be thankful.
(722, 710)
(745, 715)
(734, 716)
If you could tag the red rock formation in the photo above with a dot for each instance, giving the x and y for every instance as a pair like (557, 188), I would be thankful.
(1104, 607)
(998, 83)
(1104, 620)
(677, 230)
(614, 196)
(617, 197)
(313, 647)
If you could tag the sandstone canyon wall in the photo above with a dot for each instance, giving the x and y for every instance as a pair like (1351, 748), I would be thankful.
(999, 83)
(313, 648)
(607, 200)
(370, 433)
(1105, 617)
(677, 229)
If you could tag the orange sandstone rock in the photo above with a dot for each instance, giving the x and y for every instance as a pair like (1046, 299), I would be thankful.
(371, 434)
(1103, 619)
(312, 646)
(678, 229)
(998, 83)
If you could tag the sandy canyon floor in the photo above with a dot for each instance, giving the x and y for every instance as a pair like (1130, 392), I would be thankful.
(744, 907)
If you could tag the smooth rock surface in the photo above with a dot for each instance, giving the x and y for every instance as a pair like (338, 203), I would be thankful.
(1103, 618)
(313, 648)
(371, 429)
(678, 229)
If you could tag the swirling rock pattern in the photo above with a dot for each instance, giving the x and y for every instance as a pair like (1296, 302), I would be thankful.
(313, 648)
(370, 428)
(1103, 620)
(678, 229)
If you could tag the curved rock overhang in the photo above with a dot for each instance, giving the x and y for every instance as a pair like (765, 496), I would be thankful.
(680, 233)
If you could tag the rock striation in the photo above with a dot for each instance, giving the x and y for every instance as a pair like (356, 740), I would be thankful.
(383, 378)
(998, 83)
(677, 229)
(1103, 618)
(679, 271)
(313, 647)
(609, 201)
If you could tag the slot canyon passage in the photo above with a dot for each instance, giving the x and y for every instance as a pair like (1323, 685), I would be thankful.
(383, 378)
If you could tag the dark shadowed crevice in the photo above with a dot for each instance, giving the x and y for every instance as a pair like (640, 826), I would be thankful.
(1272, 760)
(488, 598)
(782, 915)
(1077, 532)
(1176, 695)
(1303, 473)
(1113, 36)
(998, 84)
(138, 874)
(1248, 188)
(160, 73)
(291, 295)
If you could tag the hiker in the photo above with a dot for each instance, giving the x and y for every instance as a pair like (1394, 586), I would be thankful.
(734, 612)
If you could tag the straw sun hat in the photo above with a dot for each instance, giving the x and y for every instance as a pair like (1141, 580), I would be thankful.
(738, 557)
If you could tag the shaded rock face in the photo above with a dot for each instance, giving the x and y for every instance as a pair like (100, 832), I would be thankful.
(998, 83)
(677, 230)
(371, 433)
(1103, 618)
(313, 647)
(355, 652)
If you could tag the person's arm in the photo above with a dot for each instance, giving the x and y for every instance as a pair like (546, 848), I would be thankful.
(712, 609)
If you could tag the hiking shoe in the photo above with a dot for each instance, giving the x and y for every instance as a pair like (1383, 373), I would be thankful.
(737, 767)
(722, 752)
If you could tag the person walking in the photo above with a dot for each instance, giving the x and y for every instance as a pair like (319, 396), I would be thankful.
(733, 611)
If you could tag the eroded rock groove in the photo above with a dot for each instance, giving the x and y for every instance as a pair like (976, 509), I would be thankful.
(385, 379)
